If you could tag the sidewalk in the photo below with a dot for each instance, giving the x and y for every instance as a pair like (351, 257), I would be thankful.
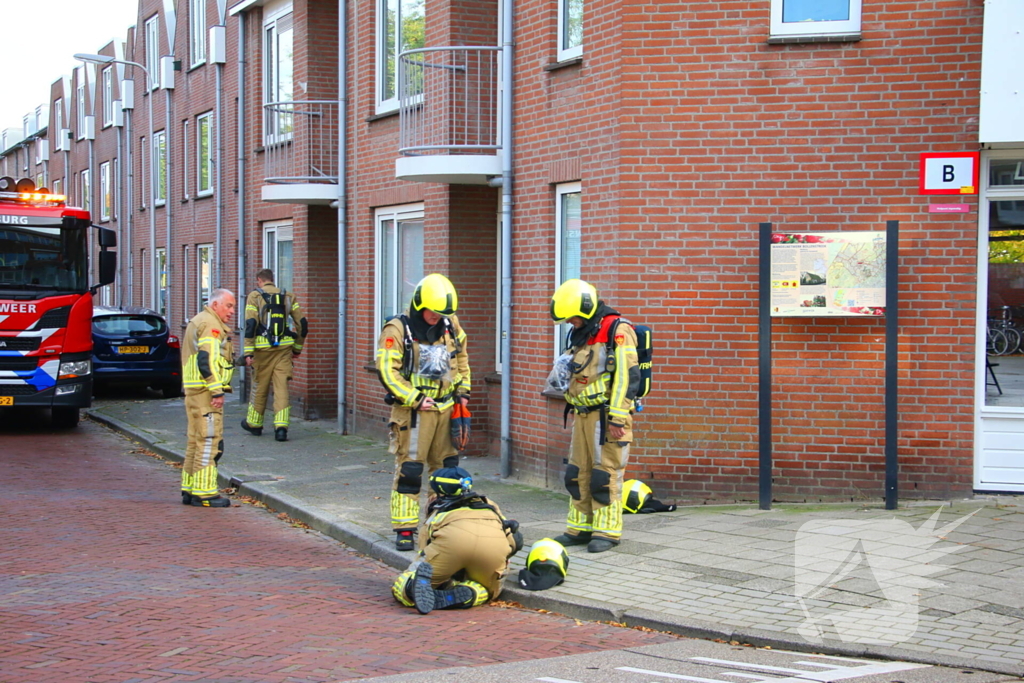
(719, 572)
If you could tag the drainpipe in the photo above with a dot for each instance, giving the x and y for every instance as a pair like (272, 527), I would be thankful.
(342, 216)
(120, 221)
(506, 238)
(168, 248)
(243, 253)
(126, 202)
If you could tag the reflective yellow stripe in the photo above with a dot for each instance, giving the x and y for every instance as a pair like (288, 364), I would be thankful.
(253, 418)
(577, 520)
(608, 521)
(281, 417)
(405, 510)
(386, 361)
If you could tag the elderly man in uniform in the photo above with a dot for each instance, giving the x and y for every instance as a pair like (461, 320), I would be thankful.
(207, 366)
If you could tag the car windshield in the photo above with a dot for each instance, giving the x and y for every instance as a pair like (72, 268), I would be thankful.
(129, 325)
(38, 258)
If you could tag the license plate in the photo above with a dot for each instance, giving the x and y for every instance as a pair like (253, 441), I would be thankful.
(6, 400)
(133, 349)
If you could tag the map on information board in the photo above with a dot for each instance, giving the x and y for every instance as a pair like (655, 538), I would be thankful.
(828, 273)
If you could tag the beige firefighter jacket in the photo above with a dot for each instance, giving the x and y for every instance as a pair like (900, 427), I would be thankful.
(207, 355)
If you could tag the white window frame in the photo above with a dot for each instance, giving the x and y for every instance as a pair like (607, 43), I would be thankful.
(106, 193)
(57, 186)
(184, 160)
(58, 124)
(108, 97)
(204, 166)
(80, 99)
(811, 29)
(160, 254)
(398, 214)
(147, 173)
(184, 283)
(562, 273)
(277, 125)
(152, 45)
(204, 281)
(274, 233)
(85, 184)
(159, 157)
(566, 52)
(499, 288)
(386, 102)
(197, 31)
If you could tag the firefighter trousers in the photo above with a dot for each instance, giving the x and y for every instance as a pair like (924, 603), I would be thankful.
(205, 445)
(593, 478)
(272, 368)
(428, 446)
(472, 550)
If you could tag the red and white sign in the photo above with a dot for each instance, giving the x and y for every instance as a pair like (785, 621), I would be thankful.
(949, 173)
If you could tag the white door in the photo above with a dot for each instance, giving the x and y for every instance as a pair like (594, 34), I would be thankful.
(999, 461)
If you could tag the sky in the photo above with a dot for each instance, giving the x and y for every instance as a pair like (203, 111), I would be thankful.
(40, 39)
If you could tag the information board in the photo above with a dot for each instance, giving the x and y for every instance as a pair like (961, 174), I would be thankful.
(828, 274)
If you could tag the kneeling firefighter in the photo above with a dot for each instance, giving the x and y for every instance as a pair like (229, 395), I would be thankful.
(464, 550)
(423, 364)
(601, 382)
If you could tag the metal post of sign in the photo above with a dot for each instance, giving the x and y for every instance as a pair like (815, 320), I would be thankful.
(764, 353)
(892, 240)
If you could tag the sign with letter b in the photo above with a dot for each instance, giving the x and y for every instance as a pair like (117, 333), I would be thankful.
(949, 173)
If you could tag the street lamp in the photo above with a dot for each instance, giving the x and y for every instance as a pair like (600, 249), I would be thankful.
(153, 275)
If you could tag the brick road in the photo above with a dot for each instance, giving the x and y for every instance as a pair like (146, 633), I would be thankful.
(105, 577)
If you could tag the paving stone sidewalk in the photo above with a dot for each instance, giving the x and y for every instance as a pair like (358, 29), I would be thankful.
(940, 582)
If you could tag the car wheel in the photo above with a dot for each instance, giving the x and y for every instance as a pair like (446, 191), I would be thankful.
(64, 417)
(171, 390)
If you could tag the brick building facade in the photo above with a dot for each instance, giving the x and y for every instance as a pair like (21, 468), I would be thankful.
(648, 142)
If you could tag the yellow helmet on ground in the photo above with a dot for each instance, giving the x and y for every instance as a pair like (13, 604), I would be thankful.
(634, 494)
(573, 298)
(546, 565)
(436, 293)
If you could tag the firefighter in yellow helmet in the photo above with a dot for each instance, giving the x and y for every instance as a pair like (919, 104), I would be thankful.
(424, 366)
(275, 330)
(603, 380)
(207, 366)
(464, 551)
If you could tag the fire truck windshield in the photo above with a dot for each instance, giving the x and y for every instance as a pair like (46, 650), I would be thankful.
(44, 260)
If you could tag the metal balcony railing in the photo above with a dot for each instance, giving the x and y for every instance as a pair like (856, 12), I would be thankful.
(448, 100)
(300, 142)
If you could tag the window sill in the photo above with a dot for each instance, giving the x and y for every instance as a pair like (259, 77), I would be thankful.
(159, 204)
(836, 38)
(383, 115)
(196, 66)
(555, 66)
(204, 195)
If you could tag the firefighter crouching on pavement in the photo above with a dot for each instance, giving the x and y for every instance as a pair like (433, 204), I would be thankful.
(423, 364)
(271, 355)
(464, 550)
(600, 394)
(207, 366)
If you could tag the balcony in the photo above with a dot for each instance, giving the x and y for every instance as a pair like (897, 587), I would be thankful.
(300, 152)
(449, 115)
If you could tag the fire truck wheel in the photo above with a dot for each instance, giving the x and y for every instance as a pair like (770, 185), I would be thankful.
(64, 418)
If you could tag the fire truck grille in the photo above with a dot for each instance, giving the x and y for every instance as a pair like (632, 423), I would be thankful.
(19, 344)
(17, 389)
(18, 364)
(57, 317)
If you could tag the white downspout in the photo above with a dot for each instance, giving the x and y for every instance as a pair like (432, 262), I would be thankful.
(506, 237)
(342, 215)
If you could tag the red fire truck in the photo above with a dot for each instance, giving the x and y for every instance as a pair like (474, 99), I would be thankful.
(46, 300)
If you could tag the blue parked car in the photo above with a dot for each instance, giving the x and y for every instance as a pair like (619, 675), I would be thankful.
(133, 345)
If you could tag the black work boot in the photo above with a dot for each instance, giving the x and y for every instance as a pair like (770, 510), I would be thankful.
(422, 591)
(460, 597)
(255, 431)
(186, 498)
(599, 545)
(582, 538)
(215, 502)
(404, 539)
(281, 434)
